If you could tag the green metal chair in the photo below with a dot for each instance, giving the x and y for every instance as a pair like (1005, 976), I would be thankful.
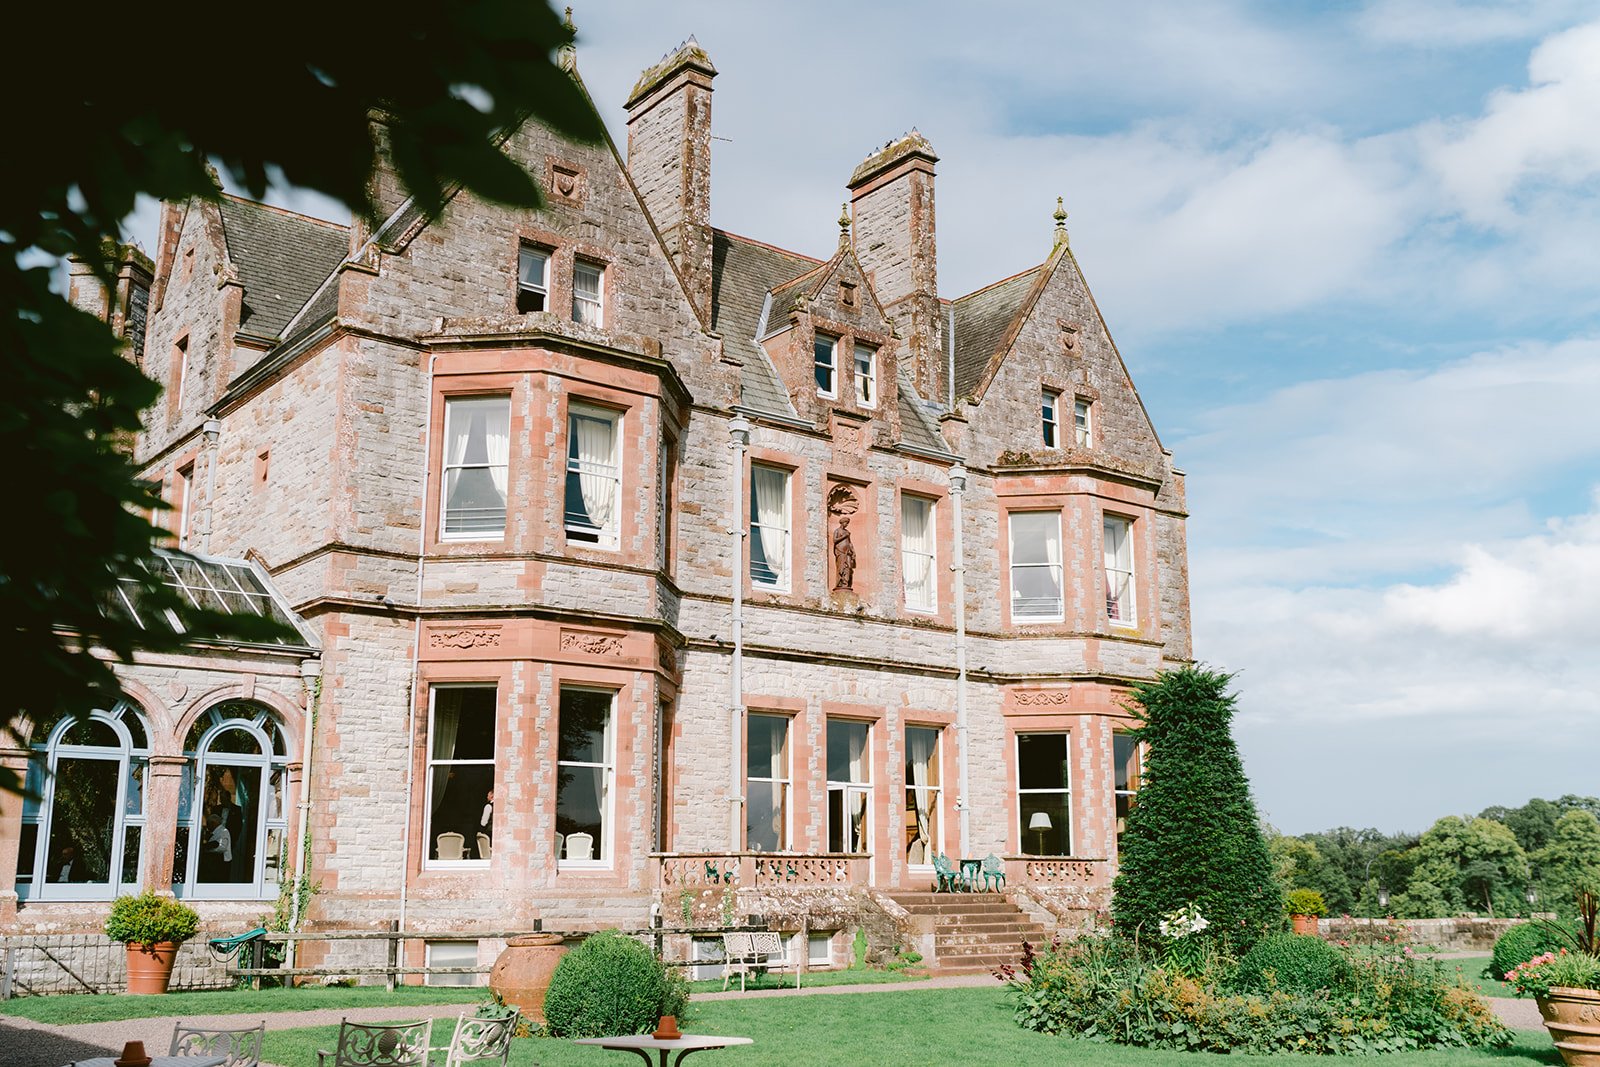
(994, 872)
(946, 878)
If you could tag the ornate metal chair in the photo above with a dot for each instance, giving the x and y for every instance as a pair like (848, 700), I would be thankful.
(994, 872)
(481, 1040)
(770, 952)
(240, 1048)
(946, 879)
(738, 955)
(379, 1045)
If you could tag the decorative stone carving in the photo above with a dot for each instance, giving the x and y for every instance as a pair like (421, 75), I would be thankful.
(1043, 698)
(591, 644)
(842, 504)
(1069, 335)
(465, 638)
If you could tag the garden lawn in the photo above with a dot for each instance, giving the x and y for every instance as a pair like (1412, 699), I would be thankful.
(89, 1008)
(903, 1028)
(811, 979)
(1472, 970)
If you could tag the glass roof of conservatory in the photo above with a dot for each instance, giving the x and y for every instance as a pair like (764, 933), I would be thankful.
(229, 586)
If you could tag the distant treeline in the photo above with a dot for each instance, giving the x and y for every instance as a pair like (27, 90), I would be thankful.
(1463, 865)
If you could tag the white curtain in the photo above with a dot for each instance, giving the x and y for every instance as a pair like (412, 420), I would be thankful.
(916, 549)
(1052, 551)
(919, 752)
(596, 467)
(462, 423)
(770, 494)
(497, 443)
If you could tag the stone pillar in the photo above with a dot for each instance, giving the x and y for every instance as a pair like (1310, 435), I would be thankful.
(16, 761)
(161, 788)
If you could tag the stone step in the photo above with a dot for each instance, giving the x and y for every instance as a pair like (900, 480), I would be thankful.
(1003, 949)
(1008, 940)
(961, 909)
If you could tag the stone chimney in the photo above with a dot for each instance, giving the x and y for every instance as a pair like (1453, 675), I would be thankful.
(891, 197)
(669, 159)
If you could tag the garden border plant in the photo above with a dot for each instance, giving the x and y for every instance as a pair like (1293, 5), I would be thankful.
(152, 927)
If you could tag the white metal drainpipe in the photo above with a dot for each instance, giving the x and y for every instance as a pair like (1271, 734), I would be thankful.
(311, 675)
(958, 564)
(738, 442)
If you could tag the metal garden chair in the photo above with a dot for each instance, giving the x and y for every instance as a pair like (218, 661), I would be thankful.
(240, 1048)
(379, 1045)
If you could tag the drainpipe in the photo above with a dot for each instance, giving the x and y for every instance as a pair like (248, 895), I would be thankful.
(738, 443)
(212, 430)
(416, 647)
(958, 564)
(311, 676)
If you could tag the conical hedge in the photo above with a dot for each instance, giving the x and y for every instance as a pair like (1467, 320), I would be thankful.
(1193, 835)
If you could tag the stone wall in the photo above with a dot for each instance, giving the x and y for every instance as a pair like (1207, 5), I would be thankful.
(1439, 935)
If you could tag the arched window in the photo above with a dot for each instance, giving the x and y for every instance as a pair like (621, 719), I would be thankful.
(83, 828)
(232, 805)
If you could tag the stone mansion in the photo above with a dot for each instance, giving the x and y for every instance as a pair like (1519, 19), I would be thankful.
(629, 559)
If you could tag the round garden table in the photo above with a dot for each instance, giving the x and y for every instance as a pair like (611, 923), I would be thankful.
(643, 1044)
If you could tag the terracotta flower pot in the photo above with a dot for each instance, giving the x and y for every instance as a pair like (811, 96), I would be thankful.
(1304, 924)
(150, 966)
(521, 974)
(1573, 1018)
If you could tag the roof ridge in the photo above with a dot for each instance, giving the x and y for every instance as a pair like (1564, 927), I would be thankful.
(1002, 281)
(767, 245)
(236, 198)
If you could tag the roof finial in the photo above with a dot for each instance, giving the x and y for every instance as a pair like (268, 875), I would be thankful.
(1060, 215)
(844, 224)
(567, 54)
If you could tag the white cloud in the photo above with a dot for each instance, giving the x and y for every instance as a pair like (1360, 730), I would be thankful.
(1446, 23)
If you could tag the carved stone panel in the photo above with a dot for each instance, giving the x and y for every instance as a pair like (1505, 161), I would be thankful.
(591, 644)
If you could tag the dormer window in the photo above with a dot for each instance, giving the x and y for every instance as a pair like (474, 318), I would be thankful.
(824, 351)
(1050, 401)
(587, 280)
(866, 375)
(533, 279)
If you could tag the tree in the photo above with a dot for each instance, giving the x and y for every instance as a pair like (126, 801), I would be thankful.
(1298, 863)
(1464, 865)
(95, 135)
(1194, 835)
(1570, 862)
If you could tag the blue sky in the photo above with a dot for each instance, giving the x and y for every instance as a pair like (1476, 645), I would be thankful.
(1349, 253)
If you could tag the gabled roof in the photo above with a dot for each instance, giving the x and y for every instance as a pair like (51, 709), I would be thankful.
(281, 257)
(212, 583)
(743, 272)
(983, 321)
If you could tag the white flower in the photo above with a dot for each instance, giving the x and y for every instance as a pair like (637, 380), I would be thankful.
(1183, 922)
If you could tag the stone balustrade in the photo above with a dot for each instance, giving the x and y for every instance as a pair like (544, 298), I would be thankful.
(1065, 871)
(760, 870)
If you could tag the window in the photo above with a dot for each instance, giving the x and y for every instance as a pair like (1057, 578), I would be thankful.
(849, 785)
(452, 954)
(767, 788)
(583, 781)
(460, 802)
(1082, 432)
(1044, 798)
(923, 839)
(586, 292)
(188, 263)
(83, 816)
(769, 528)
(232, 806)
(179, 370)
(823, 352)
(815, 949)
(1035, 565)
(533, 279)
(1128, 765)
(1119, 570)
(1051, 402)
(184, 490)
(477, 447)
(594, 475)
(866, 375)
(917, 552)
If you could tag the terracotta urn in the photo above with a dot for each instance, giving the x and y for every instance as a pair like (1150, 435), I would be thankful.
(1304, 924)
(150, 966)
(521, 974)
(1573, 1018)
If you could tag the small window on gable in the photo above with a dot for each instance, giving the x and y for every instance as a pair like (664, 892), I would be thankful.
(188, 263)
(1082, 430)
(533, 279)
(180, 370)
(866, 375)
(824, 354)
(587, 290)
(263, 466)
(1051, 404)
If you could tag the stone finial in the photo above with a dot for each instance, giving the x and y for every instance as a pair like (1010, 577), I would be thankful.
(1060, 215)
(844, 223)
(567, 54)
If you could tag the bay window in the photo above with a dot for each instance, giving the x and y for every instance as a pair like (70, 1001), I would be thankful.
(477, 450)
(922, 795)
(583, 776)
(1119, 570)
(1127, 766)
(460, 801)
(769, 528)
(1044, 794)
(917, 552)
(1035, 566)
(767, 788)
(233, 806)
(849, 785)
(594, 475)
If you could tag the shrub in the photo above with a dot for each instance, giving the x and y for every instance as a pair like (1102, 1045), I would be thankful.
(1293, 963)
(1194, 837)
(1306, 902)
(611, 984)
(1575, 970)
(1520, 944)
(149, 919)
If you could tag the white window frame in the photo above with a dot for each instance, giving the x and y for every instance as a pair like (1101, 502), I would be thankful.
(784, 578)
(430, 763)
(1123, 610)
(530, 252)
(1050, 413)
(451, 404)
(786, 783)
(608, 826)
(851, 788)
(1082, 423)
(935, 792)
(261, 726)
(931, 555)
(1018, 615)
(595, 318)
(1132, 792)
(803, 948)
(608, 536)
(831, 365)
(866, 377)
(429, 948)
(1065, 791)
(185, 476)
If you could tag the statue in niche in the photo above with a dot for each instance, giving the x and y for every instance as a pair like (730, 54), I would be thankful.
(842, 504)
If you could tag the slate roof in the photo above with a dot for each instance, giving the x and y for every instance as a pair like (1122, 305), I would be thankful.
(742, 273)
(982, 321)
(281, 258)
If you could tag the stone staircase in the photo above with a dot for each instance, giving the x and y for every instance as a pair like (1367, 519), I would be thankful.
(973, 933)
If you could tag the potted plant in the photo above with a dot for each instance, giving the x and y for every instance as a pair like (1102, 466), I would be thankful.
(1305, 907)
(1566, 983)
(152, 927)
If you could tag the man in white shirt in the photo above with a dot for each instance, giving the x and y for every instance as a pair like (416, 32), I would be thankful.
(217, 854)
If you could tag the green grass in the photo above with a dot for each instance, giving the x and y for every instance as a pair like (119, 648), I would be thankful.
(1472, 969)
(785, 979)
(904, 1028)
(88, 1008)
